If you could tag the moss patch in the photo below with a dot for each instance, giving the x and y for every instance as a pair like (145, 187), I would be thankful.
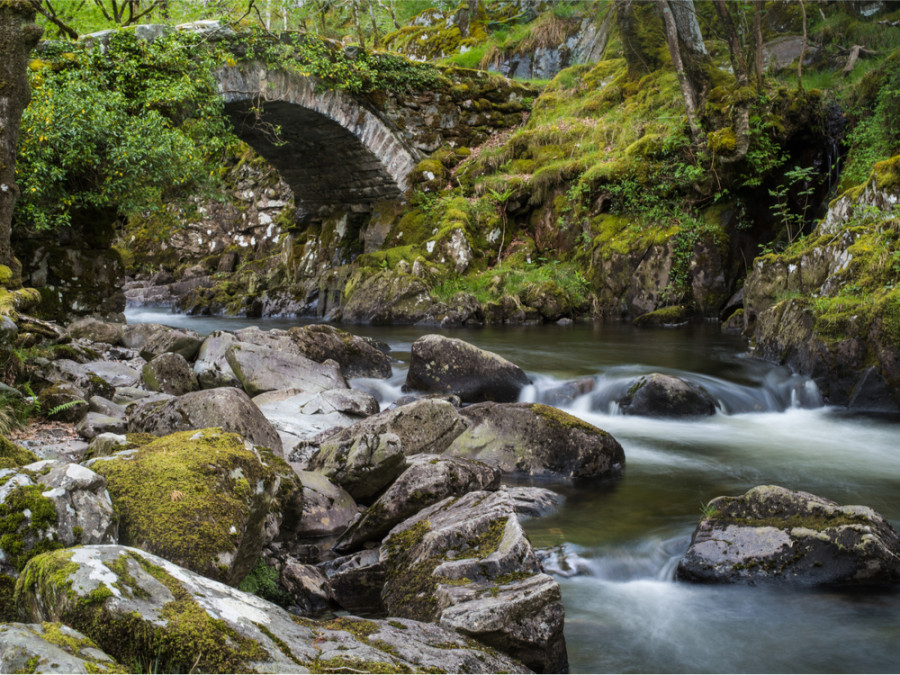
(12, 455)
(25, 517)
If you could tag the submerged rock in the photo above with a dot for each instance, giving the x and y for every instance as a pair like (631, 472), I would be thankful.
(771, 535)
(467, 565)
(51, 648)
(140, 608)
(449, 366)
(536, 439)
(658, 395)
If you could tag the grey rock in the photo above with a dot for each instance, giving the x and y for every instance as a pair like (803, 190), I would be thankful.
(94, 424)
(50, 648)
(226, 407)
(347, 401)
(307, 587)
(96, 331)
(440, 364)
(105, 444)
(538, 440)
(774, 536)
(211, 366)
(443, 564)
(658, 395)
(98, 404)
(366, 457)
(327, 508)
(64, 402)
(152, 339)
(125, 396)
(427, 480)
(262, 369)
(8, 330)
(169, 373)
(115, 373)
(356, 356)
(255, 635)
(83, 510)
(356, 581)
(533, 502)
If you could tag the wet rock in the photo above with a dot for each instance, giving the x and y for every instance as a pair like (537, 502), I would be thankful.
(347, 401)
(227, 408)
(356, 356)
(50, 504)
(211, 366)
(112, 593)
(356, 581)
(96, 331)
(366, 457)
(467, 564)
(658, 395)
(170, 374)
(449, 366)
(538, 440)
(51, 648)
(327, 508)
(533, 502)
(567, 392)
(772, 535)
(261, 369)
(164, 489)
(426, 481)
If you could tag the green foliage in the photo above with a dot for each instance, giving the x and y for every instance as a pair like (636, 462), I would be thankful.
(118, 131)
(263, 581)
(798, 183)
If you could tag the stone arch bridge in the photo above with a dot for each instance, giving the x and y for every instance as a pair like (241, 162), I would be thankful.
(336, 149)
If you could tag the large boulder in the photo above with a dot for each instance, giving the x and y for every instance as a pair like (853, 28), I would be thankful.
(142, 609)
(51, 504)
(772, 535)
(262, 369)
(445, 365)
(50, 648)
(153, 339)
(538, 440)
(386, 297)
(466, 564)
(211, 365)
(169, 373)
(658, 395)
(96, 331)
(426, 481)
(226, 407)
(366, 457)
(200, 499)
(327, 508)
(357, 356)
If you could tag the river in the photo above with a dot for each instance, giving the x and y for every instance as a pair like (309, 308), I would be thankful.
(617, 543)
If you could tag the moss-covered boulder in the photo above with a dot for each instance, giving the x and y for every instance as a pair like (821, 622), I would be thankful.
(426, 481)
(386, 297)
(64, 402)
(198, 498)
(51, 648)
(357, 356)
(225, 407)
(169, 373)
(537, 440)
(772, 535)
(445, 365)
(674, 315)
(466, 564)
(49, 505)
(659, 395)
(142, 609)
(13, 455)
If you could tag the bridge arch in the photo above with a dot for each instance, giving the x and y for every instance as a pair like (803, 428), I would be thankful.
(331, 149)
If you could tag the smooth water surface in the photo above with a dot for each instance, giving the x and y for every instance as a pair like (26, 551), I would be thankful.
(616, 544)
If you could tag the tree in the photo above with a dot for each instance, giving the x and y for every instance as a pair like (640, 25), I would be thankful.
(689, 56)
(640, 34)
(18, 35)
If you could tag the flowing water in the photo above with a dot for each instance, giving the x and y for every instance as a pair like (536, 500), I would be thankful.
(616, 543)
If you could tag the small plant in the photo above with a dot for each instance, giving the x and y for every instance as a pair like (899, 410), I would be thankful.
(798, 181)
(62, 407)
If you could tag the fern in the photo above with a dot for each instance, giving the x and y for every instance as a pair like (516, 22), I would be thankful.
(64, 406)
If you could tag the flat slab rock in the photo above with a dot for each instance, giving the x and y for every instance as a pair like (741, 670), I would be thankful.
(772, 535)
(112, 593)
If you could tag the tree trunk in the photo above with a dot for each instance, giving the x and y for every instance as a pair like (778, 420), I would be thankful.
(738, 64)
(18, 35)
(802, 49)
(631, 19)
(757, 34)
(689, 92)
(354, 7)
